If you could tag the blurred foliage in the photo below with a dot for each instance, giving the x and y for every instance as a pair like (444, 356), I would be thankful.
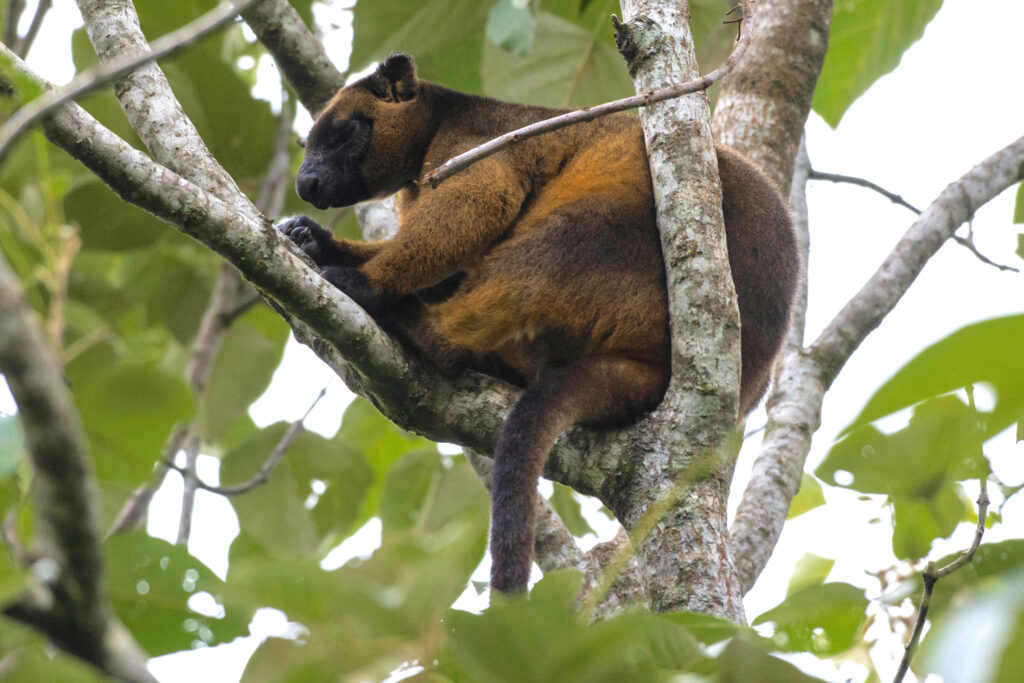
(128, 311)
(866, 41)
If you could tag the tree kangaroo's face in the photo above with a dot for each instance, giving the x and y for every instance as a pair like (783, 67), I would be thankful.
(369, 141)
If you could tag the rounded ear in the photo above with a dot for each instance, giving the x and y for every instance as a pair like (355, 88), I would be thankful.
(398, 71)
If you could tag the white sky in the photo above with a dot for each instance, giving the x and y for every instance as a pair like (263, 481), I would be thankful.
(954, 100)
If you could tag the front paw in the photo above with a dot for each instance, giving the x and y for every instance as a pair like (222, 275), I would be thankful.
(309, 236)
(355, 284)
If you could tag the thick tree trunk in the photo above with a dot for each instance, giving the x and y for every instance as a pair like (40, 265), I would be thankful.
(684, 555)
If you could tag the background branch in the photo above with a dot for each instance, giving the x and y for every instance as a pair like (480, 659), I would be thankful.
(69, 604)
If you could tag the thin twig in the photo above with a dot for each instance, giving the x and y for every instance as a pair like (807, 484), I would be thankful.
(93, 79)
(853, 180)
(14, 10)
(188, 496)
(294, 430)
(966, 242)
(24, 43)
(931, 575)
(466, 159)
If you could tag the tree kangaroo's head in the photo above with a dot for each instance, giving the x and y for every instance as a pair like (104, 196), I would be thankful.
(370, 140)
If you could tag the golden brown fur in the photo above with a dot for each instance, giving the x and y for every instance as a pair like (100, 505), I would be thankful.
(541, 264)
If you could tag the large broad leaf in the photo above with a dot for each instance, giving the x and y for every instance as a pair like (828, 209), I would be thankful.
(981, 639)
(30, 657)
(810, 570)
(867, 41)
(823, 619)
(249, 353)
(569, 66)
(445, 37)
(746, 660)
(985, 352)
(546, 639)
(106, 222)
(150, 584)
(128, 411)
(274, 513)
(917, 467)
(807, 498)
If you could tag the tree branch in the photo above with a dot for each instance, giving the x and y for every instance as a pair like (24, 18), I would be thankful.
(298, 53)
(807, 374)
(954, 206)
(763, 105)
(653, 96)
(24, 43)
(776, 473)
(683, 559)
(91, 80)
(966, 242)
(931, 575)
(70, 603)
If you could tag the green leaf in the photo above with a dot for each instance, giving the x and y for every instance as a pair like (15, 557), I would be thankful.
(12, 445)
(917, 467)
(1018, 209)
(106, 222)
(810, 570)
(249, 353)
(128, 411)
(273, 514)
(991, 562)
(985, 352)
(564, 501)
(445, 37)
(744, 660)
(706, 628)
(867, 40)
(807, 498)
(381, 443)
(981, 639)
(568, 67)
(510, 26)
(29, 657)
(150, 584)
(825, 619)
(545, 639)
(941, 444)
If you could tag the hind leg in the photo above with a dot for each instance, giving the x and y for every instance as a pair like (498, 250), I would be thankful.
(601, 391)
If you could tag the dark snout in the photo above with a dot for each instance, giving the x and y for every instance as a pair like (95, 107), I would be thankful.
(310, 187)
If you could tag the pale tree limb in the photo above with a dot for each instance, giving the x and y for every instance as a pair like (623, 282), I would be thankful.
(68, 601)
(776, 473)
(24, 43)
(262, 476)
(632, 53)
(966, 242)
(683, 558)
(808, 373)
(151, 107)
(932, 574)
(91, 80)
(298, 53)
(11, 20)
(762, 107)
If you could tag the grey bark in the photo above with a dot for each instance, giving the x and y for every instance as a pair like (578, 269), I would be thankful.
(761, 111)
(683, 558)
(69, 603)
(763, 105)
